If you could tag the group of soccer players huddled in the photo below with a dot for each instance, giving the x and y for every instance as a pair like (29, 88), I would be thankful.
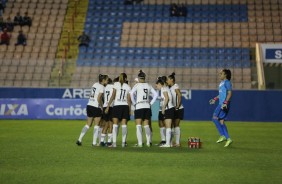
(111, 101)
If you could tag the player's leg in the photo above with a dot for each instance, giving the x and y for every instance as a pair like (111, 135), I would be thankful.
(124, 131)
(178, 117)
(110, 134)
(104, 132)
(84, 130)
(147, 132)
(222, 116)
(101, 126)
(177, 132)
(168, 123)
(162, 128)
(215, 120)
(151, 130)
(115, 129)
(96, 130)
(139, 136)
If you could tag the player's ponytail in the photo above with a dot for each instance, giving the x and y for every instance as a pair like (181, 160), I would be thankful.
(172, 76)
(227, 73)
(141, 75)
(122, 78)
(102, 77)
(163, 79)
(160, 81)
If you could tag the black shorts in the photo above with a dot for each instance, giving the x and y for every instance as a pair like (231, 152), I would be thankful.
(143, 114)
(161, 116)
(108, 116)
(93, 112)
(121, 112)
(169, 113)
(179, 114)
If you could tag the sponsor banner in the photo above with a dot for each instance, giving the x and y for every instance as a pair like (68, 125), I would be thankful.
(245, 106)
(50, 109)
(272, 53)
(43, 109)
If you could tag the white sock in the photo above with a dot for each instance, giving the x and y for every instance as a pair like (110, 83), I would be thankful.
(162, 132)
(168, 136)
(115, 129)
(100, 133)
(102, 137)
(148, 134)
(110, 136)
(83, 132)
(177, 135)
(95, 134)
(139, 134)
(124, 133)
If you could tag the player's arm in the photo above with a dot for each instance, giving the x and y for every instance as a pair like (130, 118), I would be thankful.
(111, 100)
(213, 100)
(226, 101)
(100, 100)
(229, 95)
(179, 98)
(129, 101)
(155, 96)
(165, 101)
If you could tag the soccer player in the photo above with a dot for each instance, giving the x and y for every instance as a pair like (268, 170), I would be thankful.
(107, 117)
(222, 109)
(161, 116)
(167, 110)
(143, 107)
(94, 109)
(121, 109)
(179, 109)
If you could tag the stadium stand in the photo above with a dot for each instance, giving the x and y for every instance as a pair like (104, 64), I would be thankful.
(127, 38)
(31, 65)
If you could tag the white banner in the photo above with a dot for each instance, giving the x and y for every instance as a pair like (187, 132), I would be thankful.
(272, 53)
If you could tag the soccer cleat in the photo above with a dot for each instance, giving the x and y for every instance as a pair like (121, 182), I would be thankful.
(78, 143)
(124, 145)
(149, 145)
(102, 144)
(113, 145)
(161, 143)
(165, 146)
(176, 145)
(221, 139)
(228, 142)
(109, 144)
(138, 146)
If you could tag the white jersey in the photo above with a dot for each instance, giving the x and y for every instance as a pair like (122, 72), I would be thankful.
(142, 92)
(169, 104)
(174, 96)
(97, 88)
(108, 92)
(121, 93)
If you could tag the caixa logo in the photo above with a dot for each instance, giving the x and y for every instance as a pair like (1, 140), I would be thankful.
(13, 110)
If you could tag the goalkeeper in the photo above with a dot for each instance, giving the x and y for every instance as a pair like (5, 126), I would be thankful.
(222, 109)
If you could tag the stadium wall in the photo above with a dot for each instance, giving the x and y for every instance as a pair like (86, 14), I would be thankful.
(68, 103)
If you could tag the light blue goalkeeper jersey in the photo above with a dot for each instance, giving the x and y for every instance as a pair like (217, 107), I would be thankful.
(224, 87)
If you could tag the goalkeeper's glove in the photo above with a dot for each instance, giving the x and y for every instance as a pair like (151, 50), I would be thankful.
(224, 105)
(212, 101)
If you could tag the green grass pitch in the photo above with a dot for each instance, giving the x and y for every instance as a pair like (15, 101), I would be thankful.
(36, 151)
